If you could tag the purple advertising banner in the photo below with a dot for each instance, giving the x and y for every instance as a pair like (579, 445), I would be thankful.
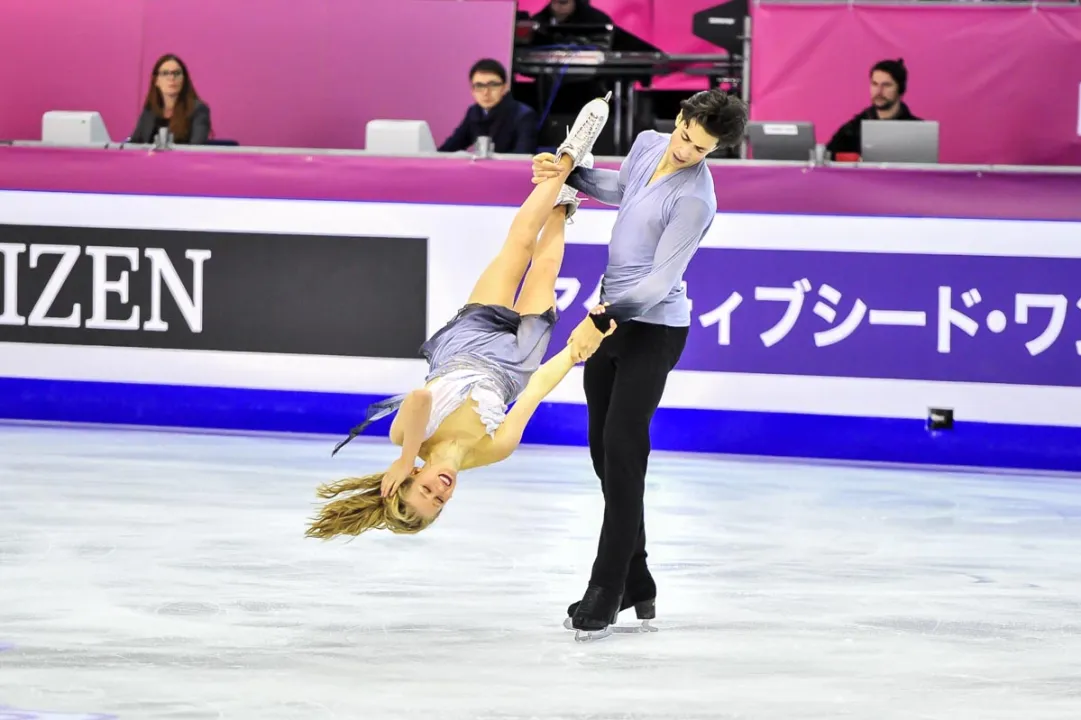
(953, 318)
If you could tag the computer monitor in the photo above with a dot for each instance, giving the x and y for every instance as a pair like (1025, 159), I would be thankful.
(399, 137)
(781, 140)
(899, 141)
(78, 127)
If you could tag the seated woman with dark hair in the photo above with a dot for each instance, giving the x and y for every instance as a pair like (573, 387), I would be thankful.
(171, 102)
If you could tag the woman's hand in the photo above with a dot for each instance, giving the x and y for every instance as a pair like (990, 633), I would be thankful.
(395, 475)
(545, 168)
(586, 338)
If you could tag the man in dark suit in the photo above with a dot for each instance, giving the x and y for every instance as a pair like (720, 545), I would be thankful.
(889, 80)
(511, 125)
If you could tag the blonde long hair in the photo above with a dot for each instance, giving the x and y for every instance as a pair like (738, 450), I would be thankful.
(362, 508)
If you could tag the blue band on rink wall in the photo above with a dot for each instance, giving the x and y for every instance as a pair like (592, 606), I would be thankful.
(990, 445)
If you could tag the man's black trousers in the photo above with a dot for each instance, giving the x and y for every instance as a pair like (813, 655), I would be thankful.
(624, 381)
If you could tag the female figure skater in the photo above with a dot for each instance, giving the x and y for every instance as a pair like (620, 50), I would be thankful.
(486, 357)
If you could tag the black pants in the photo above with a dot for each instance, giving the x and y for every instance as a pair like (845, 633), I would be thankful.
(624, 381)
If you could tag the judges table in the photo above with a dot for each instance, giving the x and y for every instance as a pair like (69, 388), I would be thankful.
(903, 314)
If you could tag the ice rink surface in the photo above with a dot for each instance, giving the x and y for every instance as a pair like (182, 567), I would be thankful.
(150, 576)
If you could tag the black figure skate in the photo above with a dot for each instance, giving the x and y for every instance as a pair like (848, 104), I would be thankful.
(641, 595)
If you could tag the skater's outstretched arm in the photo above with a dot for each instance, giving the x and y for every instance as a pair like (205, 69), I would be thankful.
(606, 186)
(602, 185)
(544, 381)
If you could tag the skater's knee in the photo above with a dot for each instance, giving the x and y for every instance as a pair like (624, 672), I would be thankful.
(598, 465)
(626, 458)
(628, 437)
(520, 244)
(516, 254)
(596, 450)
(547, 264)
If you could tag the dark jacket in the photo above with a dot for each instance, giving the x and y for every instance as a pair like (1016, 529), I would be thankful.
(511, 125)
(146, 130)
(849, 138)
(584, 14)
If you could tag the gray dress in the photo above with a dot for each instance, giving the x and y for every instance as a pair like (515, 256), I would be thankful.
(507, 347)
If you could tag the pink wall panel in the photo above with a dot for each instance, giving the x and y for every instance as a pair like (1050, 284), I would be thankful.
(673, 32)
(279, 72)
(1012, 102)
(274, 72)
(375, 74)
(55, 54)
(263, 86)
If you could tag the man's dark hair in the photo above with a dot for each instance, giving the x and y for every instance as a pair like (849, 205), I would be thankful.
(722, 115)
(488, 65)
(895, 69)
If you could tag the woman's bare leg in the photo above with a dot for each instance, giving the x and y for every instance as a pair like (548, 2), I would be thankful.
(500, 280)
(539, 289)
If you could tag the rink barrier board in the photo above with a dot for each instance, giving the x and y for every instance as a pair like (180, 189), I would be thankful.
(761, 434)
(860, 224)
(741, 187)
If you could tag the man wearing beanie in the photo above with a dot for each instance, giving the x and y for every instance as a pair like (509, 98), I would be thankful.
(889, 79)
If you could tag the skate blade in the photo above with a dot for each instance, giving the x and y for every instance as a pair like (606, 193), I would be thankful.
(645, 627)
(591, 635)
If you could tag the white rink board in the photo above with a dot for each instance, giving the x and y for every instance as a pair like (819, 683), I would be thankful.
(462, 239)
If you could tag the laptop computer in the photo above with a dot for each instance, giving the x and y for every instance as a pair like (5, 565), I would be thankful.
(781, 140)
(899, 141)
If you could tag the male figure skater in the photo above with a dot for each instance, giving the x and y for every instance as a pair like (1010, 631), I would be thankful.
(667, 203)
